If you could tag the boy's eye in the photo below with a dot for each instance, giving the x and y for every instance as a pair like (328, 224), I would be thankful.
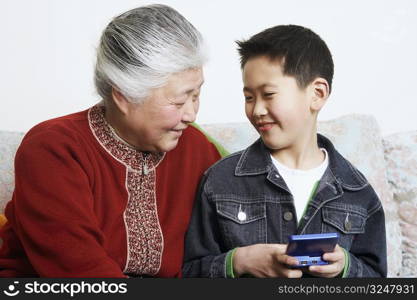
(268, 95)
(248, 98)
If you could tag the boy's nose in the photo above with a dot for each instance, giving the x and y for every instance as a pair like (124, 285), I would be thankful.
(259, 109)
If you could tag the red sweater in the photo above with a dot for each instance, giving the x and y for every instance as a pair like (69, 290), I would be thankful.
(87, 205)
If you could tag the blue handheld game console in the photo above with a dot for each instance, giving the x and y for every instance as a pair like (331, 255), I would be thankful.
(308, 249)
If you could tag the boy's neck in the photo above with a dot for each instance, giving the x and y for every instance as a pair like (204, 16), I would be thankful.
(304, 155)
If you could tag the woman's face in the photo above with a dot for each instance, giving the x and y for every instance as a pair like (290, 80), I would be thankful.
(157, 123)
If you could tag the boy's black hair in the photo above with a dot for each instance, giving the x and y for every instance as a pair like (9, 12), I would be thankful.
(303, 53)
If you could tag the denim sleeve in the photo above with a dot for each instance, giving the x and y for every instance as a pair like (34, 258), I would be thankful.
(203, 255)
(368, 254)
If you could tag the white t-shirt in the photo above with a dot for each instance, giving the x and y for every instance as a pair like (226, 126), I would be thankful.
(301, 182)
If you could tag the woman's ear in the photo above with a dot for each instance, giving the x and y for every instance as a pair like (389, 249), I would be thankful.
(120, 101)
(321, 90)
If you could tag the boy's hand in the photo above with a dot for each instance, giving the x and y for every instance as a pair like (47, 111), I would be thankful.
(264, 260)
(337, 263)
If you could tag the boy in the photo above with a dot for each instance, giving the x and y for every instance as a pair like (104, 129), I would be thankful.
(290, 181)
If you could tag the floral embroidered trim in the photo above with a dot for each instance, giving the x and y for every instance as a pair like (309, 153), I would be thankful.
(144, 234)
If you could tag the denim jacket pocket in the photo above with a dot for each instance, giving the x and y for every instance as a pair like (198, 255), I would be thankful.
(347, 220)
(241, 222)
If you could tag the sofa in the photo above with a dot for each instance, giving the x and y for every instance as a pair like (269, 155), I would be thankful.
(388, 162)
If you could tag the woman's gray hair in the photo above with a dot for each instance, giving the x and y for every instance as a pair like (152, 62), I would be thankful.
(141, 48)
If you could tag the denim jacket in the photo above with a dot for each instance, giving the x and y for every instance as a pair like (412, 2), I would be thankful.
(247, 181)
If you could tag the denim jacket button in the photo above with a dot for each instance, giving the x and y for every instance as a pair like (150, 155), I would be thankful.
(241, 216)
(288, 216)
(348, 225)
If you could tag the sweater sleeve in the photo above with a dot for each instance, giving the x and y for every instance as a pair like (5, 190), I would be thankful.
(53, 213)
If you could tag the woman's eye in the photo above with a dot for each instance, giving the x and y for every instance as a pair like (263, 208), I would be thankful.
(248, 98)
(268, 95)
(177, 103)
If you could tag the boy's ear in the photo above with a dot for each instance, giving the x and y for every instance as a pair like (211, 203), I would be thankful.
(120, 101)
(320, 92)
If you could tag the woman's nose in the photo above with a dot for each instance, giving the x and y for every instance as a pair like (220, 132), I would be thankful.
(190, 112)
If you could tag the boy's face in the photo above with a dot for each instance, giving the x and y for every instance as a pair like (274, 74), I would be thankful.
(276, 106)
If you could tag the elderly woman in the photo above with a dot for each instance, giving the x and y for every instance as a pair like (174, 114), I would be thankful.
(108, 192)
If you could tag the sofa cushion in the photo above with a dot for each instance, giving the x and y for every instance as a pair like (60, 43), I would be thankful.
(401, 158)
(358, 139)
(232, 136)
(9, 141)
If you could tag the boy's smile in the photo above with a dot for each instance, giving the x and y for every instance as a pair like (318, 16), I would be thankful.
(264, 126)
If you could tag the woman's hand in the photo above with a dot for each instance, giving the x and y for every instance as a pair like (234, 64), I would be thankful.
(337, 263)
(264, 260)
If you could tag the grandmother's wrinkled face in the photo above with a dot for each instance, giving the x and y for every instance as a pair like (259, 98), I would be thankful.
(157, 124)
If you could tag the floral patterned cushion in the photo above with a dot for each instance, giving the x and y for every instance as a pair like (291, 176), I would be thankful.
(9, 141)
(358, 139)
(401, 159)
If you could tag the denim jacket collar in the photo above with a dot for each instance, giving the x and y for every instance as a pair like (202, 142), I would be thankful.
(256, 160)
